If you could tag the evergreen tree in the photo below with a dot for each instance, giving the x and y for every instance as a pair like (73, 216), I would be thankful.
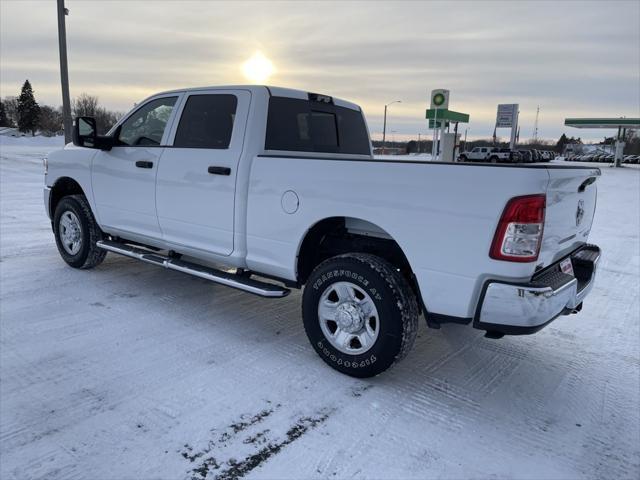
(561, 143)
(4, 120)
(28, 110)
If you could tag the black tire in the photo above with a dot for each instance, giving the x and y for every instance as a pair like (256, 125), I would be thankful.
(493, 159)
(394, 300)
(463, 158)
(88, 255)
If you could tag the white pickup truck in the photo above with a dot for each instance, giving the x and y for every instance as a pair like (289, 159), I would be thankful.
(490, 154)
(266, 189)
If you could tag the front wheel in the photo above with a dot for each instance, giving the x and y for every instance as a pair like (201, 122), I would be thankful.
(77, 232)
(360, 314)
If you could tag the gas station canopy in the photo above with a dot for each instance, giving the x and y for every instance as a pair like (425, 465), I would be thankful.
(603, 122)
(621, 124)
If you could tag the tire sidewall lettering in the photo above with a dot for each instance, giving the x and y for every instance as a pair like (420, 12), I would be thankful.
(338, 275)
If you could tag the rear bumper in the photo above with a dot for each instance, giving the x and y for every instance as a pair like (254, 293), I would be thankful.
(523, 308)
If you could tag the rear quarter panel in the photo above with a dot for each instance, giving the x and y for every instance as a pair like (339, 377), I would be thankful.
(443, 216)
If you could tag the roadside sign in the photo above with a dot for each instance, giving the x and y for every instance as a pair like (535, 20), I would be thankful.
(439, 98)
(507, 115)
(437, 124)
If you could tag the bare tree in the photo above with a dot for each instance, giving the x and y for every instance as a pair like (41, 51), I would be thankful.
(88, 106)
(84, 105)
(50, 121)
(11, 110)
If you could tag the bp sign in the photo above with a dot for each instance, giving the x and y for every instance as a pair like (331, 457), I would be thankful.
(439, 98)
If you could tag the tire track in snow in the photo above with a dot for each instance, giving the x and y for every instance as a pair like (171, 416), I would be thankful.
(257, 435)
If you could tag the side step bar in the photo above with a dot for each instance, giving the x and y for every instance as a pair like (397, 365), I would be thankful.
(233, 280)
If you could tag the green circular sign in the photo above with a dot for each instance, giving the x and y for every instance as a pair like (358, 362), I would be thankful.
(438, 99)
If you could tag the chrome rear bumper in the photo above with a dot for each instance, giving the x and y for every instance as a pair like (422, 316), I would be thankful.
(522, 308)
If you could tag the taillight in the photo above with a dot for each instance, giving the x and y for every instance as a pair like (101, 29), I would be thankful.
(519, 233)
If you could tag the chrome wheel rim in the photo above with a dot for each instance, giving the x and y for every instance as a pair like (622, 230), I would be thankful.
(70, 232)
(348, 318)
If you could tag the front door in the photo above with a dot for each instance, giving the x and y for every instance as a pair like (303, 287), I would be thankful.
(195, 188)
(124, 178)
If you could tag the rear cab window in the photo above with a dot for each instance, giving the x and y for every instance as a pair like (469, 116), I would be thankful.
(300, 125)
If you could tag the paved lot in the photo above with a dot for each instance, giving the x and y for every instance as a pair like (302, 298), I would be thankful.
(131, 371)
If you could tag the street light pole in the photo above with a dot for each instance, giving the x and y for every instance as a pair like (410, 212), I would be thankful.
(384, 125)
(64, 71)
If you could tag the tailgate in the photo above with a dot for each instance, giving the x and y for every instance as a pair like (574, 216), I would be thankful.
(571, 204)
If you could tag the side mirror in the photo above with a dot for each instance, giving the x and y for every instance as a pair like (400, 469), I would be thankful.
(85, 132)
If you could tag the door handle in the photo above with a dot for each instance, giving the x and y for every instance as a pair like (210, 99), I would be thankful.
(219, 170)
(144, 164)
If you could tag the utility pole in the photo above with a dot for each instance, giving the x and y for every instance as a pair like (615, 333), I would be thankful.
(64, 71)
(384, 126)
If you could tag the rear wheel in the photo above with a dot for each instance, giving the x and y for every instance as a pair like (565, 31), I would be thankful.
(77, 232)
(493, 159)
(360, 314)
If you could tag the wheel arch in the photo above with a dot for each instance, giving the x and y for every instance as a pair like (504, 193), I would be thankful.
(337, 235)
(63, 187)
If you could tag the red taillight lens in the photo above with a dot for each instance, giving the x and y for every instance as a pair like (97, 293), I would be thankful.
(519, 233)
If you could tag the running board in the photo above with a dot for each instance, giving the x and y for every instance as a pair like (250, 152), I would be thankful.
(233, 280)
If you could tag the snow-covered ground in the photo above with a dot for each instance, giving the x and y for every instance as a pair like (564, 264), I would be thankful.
(129, 371)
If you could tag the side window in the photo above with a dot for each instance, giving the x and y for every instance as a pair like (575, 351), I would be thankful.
(146, 126)
(206, 121)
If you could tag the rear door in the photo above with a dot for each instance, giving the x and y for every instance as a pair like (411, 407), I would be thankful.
(195, 188)
(571, 204)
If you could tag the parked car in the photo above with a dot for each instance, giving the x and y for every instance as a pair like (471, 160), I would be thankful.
(526, 156)
(537, 156)
(477, 154)
(279, 188)
(491, 155)
(508, 155)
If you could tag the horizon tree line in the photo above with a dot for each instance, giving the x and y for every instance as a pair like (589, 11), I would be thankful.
(28, 116)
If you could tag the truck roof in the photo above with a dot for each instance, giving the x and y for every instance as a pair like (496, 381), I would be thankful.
(266, 89)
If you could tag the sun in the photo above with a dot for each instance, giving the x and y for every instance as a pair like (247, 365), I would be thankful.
(258, 68)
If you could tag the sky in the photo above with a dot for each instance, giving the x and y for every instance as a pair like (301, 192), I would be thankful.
(571, 58)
